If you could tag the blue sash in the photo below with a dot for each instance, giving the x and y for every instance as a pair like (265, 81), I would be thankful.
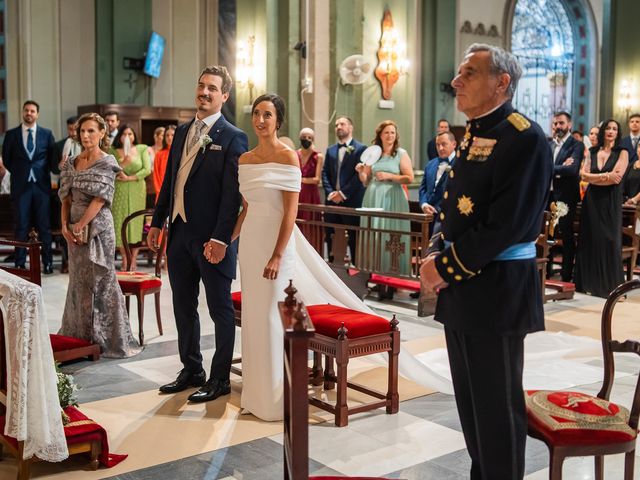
(519, 251)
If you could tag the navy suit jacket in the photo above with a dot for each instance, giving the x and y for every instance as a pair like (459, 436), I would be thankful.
(350, 184)
(16, 159)
(628, 146)
(566, 178)
(211, 192)
(430, 192)
(432, 151)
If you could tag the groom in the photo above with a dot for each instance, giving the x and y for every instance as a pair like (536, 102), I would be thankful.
(200, 197)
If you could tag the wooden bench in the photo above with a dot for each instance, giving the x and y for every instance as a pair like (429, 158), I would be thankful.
(630, 239)
(298, 331)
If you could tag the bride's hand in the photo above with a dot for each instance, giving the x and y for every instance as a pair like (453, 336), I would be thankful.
(272, 268)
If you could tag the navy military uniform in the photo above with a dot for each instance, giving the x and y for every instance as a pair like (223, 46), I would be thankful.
(491, 214)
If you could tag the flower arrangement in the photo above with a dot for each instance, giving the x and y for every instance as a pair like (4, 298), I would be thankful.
(66, 392)
(558, 210)
(204, 141)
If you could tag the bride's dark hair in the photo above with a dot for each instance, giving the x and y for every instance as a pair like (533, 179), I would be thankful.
(278, 103)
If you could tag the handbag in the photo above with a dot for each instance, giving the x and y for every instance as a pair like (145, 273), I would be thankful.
(84, 233)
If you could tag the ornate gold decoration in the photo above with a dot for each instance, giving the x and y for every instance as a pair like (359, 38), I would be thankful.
(481, 148)
(518, 121)
(465, 205)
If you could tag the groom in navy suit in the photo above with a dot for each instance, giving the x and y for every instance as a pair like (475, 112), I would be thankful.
(200, 197)
(341, 183)
(27, 153)
(436, 174)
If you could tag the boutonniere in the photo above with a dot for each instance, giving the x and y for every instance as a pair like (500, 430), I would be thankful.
(447, 169)
(204, 141)
(350, 149)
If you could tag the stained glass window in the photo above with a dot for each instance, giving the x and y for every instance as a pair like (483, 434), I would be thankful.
(542, 39)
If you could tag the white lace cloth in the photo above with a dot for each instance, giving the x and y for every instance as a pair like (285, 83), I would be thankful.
(33, 409)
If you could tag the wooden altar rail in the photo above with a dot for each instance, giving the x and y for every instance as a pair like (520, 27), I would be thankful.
(372, 244)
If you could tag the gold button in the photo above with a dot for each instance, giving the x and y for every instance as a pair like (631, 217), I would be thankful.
(451, 174)
(450, 269)
(445, 260)
(458, 278)
(446, 195)
(441, 216)
(430, 244)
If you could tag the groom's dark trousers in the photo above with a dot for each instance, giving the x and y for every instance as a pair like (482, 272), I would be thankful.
(211, 203)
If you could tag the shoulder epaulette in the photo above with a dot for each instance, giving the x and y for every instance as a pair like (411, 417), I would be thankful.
(518, 121)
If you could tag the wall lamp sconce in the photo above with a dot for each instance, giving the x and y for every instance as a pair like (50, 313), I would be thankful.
(392, 61)
(245, 67)
(627, 96)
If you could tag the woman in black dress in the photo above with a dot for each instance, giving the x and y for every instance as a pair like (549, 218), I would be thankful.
(599, 258)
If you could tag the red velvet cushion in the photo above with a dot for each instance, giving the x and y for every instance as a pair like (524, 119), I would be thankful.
(327, 319)
(573, 418)
(61, 342)
(401, 283)
(236, 298)
(133, 282)
(562, 286)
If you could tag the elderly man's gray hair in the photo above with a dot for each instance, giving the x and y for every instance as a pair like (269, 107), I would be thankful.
(501, 62)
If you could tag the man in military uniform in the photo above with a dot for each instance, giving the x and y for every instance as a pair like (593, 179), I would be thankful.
(482, 260)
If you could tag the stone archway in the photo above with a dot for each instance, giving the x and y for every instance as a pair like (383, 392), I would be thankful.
(580, 83)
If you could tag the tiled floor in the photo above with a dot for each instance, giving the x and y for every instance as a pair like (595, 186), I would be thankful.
(423, 441)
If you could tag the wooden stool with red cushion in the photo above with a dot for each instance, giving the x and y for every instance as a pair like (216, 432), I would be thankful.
(574, 424)
(69, 348)
(342, 334)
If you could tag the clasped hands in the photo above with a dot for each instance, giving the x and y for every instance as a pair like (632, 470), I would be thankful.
(214, 252)
(72, 233)
(335, 197)
(429, 275)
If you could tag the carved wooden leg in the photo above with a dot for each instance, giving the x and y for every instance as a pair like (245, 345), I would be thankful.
(555, 465)
(329, 373)
(342, 410)
(1, 451)
(629, 464)
(599, 464)
(316, 370)
(392, 388)
(24, 466)
(158, 317)
(127, 302)
(96, 448)
(140, 318)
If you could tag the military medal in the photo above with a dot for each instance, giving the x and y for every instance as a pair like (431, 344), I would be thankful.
(481, 149)
(464, 144)
(465, 205)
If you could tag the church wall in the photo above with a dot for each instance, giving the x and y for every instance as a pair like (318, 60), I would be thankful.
(50, 47)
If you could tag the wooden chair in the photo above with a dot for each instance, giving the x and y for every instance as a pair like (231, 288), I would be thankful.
(574, 424)
(64, 348)
(140, 284)
(298, 331)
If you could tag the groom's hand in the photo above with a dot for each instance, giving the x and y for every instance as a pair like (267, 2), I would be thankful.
(153, 238)
(214, 252)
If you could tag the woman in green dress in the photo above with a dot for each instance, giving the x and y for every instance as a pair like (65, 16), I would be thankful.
(384, 181)
(131, 190)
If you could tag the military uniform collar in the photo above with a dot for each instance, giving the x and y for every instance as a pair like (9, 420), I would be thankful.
(488, 121)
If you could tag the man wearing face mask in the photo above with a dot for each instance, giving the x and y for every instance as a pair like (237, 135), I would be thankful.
(311, 162)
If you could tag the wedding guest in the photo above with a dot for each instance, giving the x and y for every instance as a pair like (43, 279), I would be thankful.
(443, 126)
(340, 180)
(384, 182)
(599, 255)
(160, 164)
(112, 117)
(158, 140)
(631, 192)
(94, 309)
(131, 191)
(311, 161)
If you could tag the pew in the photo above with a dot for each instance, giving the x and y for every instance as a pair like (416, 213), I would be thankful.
(630, 239)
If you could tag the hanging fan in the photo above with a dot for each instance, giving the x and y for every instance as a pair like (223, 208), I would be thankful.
(355, 70)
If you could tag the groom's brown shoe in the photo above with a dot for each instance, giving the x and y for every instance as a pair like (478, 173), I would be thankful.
(211, 390)
(185, 380)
